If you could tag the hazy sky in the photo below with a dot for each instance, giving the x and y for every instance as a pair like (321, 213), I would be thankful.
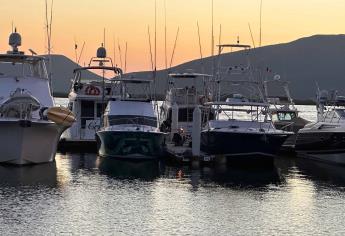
(127, 21)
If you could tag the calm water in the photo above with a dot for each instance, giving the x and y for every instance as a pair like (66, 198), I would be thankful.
(87, 195)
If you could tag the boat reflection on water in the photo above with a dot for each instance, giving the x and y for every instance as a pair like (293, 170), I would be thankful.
(29, 175)
(322, 173)
(226, 176)
(243, 177)
(123, 169)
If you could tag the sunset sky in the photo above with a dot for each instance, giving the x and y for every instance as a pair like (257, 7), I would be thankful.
(128, 20)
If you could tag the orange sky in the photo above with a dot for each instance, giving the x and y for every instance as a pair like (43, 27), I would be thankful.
(127, 21)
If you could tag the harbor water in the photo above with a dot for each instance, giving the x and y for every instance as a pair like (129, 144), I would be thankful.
(83, 194)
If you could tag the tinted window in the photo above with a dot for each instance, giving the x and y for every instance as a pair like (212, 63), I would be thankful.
(87, 109)
(140, 120)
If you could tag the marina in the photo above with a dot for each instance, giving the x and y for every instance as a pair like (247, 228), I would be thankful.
(133, 130)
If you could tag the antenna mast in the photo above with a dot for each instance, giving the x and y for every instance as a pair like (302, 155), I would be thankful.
(118, 43)
(104, 37)
(151, 56)
(114, 48)
(155, 69)
(126, 58)
(200, 49)
(81, 52)
(49, 21)
(165, 34)
(260, 40)
(251, 35)
(173, 53)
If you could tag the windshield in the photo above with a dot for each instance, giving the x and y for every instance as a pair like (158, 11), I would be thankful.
(128, 119)
(283, 116)
(24, 68)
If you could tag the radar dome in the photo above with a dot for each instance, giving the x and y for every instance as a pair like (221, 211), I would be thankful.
(101, 52)
(15, 40)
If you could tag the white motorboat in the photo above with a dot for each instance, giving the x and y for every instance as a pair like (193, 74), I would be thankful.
(30, 127)
(242, 130)
(185, 92)
(90, 91)
(130, 125)
(282, 107)
(324, 140)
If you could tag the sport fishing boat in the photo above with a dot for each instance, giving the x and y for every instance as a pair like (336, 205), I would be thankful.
(130, 127)
(282, 107)
(324, 140)
(90, 91)
(242, 130)
(30, 125)
(186, 91)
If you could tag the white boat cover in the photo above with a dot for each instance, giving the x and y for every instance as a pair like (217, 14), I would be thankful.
(130, 108)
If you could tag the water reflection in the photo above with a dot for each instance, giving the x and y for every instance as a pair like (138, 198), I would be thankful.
(122, 169)
(243, 177)
(30, 175)
(225, 176)
(322, 173)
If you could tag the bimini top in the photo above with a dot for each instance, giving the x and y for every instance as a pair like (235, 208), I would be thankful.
(188, 75)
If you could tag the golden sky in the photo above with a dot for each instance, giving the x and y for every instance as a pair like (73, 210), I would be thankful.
(128, 20)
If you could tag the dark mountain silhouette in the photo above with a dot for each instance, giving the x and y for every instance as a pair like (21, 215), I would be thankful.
(319, 58)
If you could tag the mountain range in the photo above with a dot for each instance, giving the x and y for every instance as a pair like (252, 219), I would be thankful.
(304, 62)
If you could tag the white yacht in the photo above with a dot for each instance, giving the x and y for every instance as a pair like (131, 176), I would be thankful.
(130, 124)
(242, 130)
(30, 127)
(91, 89)
(324, 140)
(282, 107)
(186, 91)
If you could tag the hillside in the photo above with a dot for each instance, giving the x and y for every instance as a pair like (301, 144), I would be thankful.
(303, 62)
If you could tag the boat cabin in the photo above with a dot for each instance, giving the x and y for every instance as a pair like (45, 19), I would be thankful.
(186, 90)
(92, 87)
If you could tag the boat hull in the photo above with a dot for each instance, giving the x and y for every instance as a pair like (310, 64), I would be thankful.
(241, 144)
(322, 146)
(132, 145)
(29, 143)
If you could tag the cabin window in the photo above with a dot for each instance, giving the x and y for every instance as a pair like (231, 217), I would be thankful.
(87, 112)
(185, 115)
(136, 120)
(286, 116)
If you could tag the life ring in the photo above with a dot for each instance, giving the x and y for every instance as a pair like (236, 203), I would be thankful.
(92, 90)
